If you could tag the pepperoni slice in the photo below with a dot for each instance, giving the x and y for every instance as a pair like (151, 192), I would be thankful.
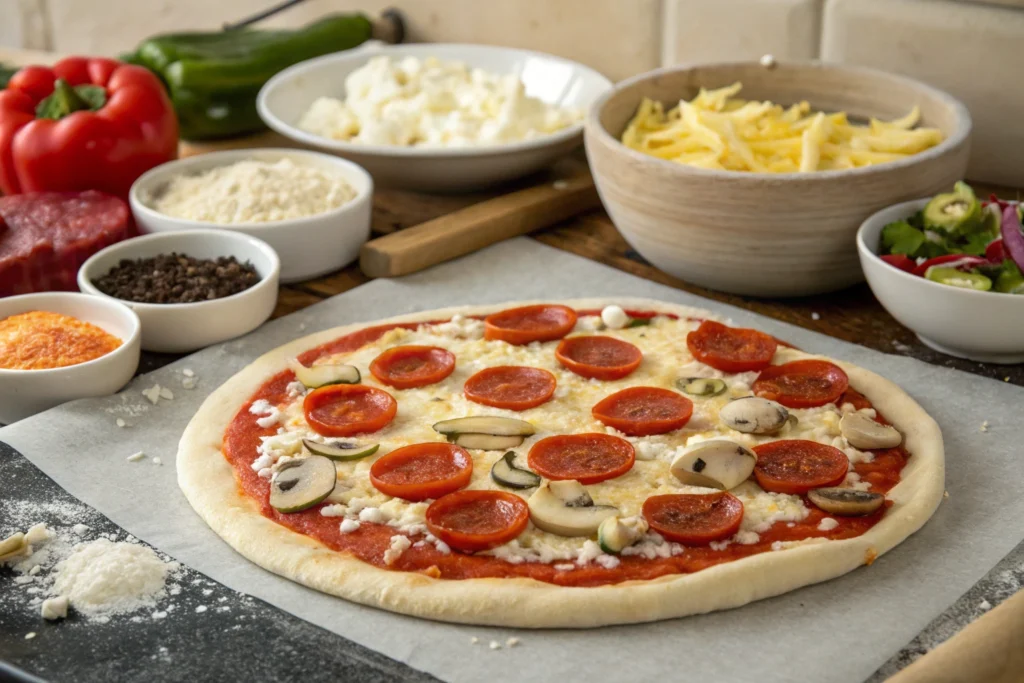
(347, 409)
(477, 520)
(422, 470)
(511, 387)
(408, 367)
(802, 383)
(587, 458)
(731, 349)
(797, 466)
(642, 411)
(598, 357)
(694, 519)
(542, 322)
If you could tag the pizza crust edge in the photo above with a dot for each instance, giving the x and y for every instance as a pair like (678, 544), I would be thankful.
(208, 482)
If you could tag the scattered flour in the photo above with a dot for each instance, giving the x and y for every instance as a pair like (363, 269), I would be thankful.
(102, 578)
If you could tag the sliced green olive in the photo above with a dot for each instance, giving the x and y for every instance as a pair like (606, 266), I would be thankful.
(704, 387)
(321, 375)
(484, 424)
(616, 534)
(566, 509)
(846, 502)
(956, 278)
(340, 450)
(302, 483)
(505, 473)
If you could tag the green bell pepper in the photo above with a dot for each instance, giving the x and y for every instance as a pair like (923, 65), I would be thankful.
(213, 78)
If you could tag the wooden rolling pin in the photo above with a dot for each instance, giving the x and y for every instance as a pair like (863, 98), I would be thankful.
(480, 225)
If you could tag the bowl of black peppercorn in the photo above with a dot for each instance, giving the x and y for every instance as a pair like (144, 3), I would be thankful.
(190, 289)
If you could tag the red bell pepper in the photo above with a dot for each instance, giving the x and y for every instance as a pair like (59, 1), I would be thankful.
(84, 124)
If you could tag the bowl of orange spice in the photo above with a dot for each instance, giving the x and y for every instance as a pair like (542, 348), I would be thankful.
(60, 346)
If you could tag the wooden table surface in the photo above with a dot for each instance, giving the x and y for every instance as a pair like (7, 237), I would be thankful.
(852, 314)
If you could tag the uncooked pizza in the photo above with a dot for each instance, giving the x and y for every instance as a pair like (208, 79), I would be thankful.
(564, 464)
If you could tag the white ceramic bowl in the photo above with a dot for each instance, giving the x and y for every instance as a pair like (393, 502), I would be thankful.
(27, 392)
(308, 247)
(560, 82)
(982, 326)
(179, 328)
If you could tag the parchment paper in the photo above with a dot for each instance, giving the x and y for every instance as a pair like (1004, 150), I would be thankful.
(838, 631)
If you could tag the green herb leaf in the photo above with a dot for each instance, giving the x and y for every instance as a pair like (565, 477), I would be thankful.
(6, 72)
(975, 243)
(901, 237)
(639, 322)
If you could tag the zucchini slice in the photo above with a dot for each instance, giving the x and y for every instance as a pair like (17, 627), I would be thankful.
(616, 533)
(302, 483)
(340, 450)
(704, 387)
(486, 442)
(321, 375)
(505, 473)
(566, 509)
(484, 424)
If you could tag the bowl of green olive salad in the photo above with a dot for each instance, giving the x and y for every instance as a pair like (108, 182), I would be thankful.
(190, 289)
(951, 268)
(312, 208)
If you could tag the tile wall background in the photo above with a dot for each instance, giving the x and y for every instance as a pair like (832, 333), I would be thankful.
(974, 50)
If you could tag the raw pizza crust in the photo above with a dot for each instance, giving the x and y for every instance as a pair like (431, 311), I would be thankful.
(208, 482)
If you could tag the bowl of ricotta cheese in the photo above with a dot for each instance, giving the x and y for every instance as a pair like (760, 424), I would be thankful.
(435, 117)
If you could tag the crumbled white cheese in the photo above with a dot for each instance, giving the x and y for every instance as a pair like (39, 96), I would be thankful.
(433, 103)
(746, 537)
(348, 526)
(152, 394)
(777, 545)
(984, 605)
(80, 529)
(495, 645)
(120, 422)
(614, 318)
(157, 461)
(55, 608)
(373, 515)
(827, 524)
(718, 545)
(607, 561)
(253, 191)
(399, 544)
(38, 534)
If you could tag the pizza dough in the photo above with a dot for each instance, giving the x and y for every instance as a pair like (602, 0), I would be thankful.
(209, 483)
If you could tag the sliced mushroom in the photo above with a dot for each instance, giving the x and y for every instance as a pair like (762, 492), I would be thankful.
(302, 483)
(565, 508)
(486, 442)
(754, 415)
(704, 387)
(340, 450)
(484, 424)
(862, 432)
(321, 375)
(507, 474)
(846, 502)
(617, 533)
(717, 464)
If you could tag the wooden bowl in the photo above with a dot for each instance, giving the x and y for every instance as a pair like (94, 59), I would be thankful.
(763, 234)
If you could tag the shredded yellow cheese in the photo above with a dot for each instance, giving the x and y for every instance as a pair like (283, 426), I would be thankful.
(718, 130)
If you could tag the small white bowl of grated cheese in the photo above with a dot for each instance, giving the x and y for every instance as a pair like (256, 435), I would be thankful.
(314, 209)
(435, 117)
